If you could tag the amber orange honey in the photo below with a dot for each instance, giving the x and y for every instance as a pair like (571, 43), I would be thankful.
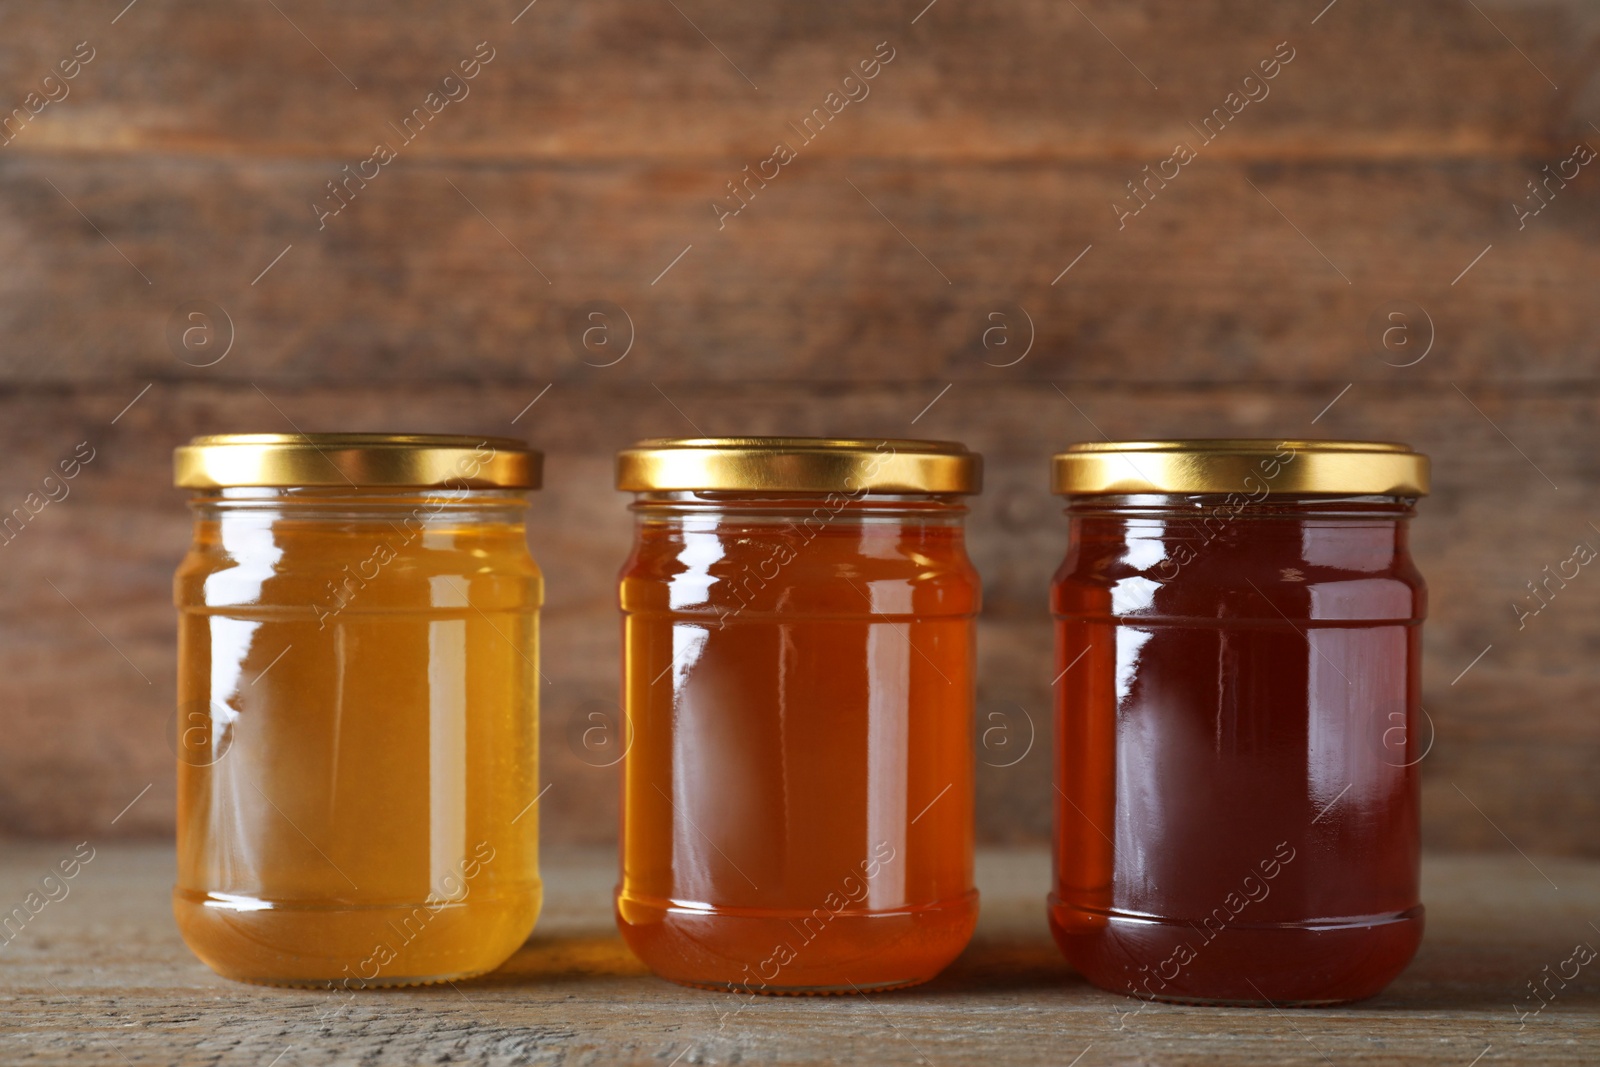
(798, 679)
(1238, 636)
(357, 691)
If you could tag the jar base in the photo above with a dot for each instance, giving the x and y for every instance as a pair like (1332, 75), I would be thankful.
(806, 991)
(406, 982)
(796, 953)
(1312, 964)
(353, 946)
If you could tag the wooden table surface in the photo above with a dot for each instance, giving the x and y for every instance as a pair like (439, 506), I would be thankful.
(100, 976)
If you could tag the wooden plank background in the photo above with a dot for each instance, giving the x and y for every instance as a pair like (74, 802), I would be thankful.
(1385, 165)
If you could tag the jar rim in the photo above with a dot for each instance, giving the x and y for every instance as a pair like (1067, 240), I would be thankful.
(1252, 467)
(799, 465)
(356, 460)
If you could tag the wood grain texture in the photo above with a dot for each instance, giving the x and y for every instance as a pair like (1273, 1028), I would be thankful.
(855, 287)
(842, 273)
(616, 81)
(591, 149)
(101, 977)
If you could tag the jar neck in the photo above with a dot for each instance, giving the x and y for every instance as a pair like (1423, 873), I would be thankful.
(712, 507)
(1201, 507)
(337, 504)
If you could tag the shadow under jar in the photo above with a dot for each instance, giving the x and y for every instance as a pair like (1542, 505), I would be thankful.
(1238, 728)
(357, 707)
(798, 620)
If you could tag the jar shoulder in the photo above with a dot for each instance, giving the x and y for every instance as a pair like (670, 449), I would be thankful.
(1315, 575)
(390, 568)
(847, 571)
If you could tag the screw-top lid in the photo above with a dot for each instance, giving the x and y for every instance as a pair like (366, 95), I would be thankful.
(1227, 465)
(358, 460)
(799, 465)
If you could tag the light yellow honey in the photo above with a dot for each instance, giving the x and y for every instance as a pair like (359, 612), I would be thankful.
(357, 735)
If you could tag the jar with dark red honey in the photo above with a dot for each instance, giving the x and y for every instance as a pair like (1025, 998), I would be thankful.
(797, 794)
(1238, 642)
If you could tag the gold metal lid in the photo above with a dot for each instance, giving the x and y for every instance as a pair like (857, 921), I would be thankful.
(798, 465)
(1245, 466)
(358, 460)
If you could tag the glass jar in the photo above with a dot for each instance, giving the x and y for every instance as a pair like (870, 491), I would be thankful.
(797, 797)
(357, 707)
(1238, 636)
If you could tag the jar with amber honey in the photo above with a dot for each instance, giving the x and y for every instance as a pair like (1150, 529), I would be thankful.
(1238, 640)
(357, 723)
(797, 794)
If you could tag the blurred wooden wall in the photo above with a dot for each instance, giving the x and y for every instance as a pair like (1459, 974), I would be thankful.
(1381, 172)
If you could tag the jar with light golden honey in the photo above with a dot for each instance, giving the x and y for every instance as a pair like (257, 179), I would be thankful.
(1238, 727)
(797, 795)
(357, 707)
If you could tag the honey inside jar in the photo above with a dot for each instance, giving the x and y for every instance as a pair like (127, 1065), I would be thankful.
(357, 731)
(1238, 631)
(798, 790)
